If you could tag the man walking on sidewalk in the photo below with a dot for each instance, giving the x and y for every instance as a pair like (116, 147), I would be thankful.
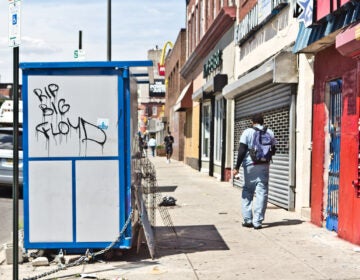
(256, 170)
(168, 140)
(152, 145)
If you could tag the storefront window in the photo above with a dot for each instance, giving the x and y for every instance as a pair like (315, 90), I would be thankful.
(206, 117)
(219, 107)
(154, 110)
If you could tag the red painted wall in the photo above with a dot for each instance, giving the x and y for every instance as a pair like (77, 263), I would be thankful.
(317, 165)
(349, 222)
(325, 7)
(329, 64)
(343, 2)
(322, 9)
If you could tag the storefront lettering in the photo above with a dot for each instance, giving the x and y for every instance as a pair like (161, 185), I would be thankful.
(214, 62)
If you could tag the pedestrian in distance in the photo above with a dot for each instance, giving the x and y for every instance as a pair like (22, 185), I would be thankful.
(145, 146)
(152, 145)
(168, 141)
(140, 143)
(256, 148)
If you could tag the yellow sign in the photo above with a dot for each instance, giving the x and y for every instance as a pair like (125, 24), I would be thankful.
(357, 32)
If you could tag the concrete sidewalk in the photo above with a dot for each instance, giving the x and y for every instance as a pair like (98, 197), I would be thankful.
(212, 244)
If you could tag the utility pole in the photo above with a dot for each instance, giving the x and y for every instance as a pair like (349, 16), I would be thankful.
(16, 163)
(14, 42)
(109, 30)
(80, 39)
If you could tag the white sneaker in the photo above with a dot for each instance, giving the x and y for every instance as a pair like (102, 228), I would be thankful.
(168, 161)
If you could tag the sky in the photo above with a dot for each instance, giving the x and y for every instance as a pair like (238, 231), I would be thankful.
(50, 30)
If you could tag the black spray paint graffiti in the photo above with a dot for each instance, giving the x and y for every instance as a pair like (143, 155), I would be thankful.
(55, 123)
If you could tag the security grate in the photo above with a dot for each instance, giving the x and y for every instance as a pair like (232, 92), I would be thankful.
(278, 121)
(334, 168)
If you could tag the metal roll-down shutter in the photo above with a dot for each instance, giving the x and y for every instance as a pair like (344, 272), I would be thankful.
(273, 101)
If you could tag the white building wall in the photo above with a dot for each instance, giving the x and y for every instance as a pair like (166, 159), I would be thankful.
(303, 134)
(257, 49)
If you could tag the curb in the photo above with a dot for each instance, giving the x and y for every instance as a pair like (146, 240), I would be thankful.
(2, 255)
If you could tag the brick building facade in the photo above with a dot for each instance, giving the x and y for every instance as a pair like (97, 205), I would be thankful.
(175, 84)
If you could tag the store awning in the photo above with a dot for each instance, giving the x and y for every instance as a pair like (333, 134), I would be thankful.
(261, 75)
(184, 100)
(212, 86)
(197, 95)
(281, 68)
(322, 34)
(347, 42)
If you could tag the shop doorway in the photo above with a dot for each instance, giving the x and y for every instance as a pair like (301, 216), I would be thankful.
(335, 112)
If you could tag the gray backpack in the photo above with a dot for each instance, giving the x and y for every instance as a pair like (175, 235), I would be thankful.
(262, 146)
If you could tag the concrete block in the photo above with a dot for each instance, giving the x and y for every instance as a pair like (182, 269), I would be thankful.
(8, 249)
(306, 213)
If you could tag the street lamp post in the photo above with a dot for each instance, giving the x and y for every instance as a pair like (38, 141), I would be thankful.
(109, 30)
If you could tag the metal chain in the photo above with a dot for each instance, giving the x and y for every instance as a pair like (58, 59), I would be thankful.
(88, 256)
(117, 240)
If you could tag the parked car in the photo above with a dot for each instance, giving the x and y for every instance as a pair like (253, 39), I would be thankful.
(6, 156)
(6, 112)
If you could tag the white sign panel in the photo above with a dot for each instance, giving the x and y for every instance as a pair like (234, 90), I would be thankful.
(73, 116)
(14, 23)
(54, 223)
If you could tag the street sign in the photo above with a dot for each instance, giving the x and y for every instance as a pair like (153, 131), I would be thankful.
(79, 54)
(14, 23)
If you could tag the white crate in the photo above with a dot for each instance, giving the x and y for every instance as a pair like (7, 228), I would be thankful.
(8, 248)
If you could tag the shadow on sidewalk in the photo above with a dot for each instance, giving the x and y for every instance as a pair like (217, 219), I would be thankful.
(285, 222)
(188, 239)
(198, 238)
(166, 189)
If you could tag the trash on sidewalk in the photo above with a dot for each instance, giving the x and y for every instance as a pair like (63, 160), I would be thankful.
(40, 261)
(60, 258)
(157, 270)
(168, 201)
(356, 249)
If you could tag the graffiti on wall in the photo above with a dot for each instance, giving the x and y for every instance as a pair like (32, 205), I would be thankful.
(56, 124)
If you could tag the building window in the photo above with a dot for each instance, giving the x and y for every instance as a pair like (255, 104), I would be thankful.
(208, 13)
(154, 110)
(202, 18)
(206, 118)
(218, 128)
(193, 35)
(214, 9)
(197, 23)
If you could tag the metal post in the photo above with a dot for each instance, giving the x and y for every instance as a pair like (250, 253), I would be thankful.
(80, 39)
(15, 162)
(292, 150)
(109, 31)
